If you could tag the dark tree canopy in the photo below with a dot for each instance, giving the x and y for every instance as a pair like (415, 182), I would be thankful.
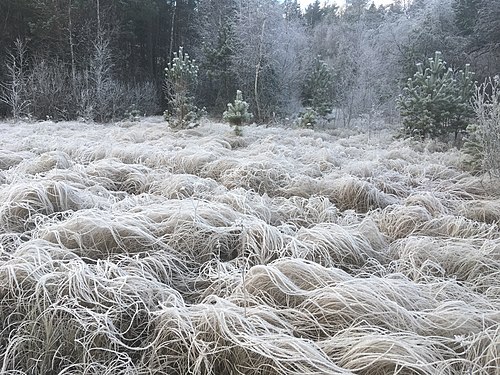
(266, 48)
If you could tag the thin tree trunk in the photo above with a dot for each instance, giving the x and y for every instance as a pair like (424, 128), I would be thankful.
(258, 67)
(98, 5)
(172, 29)
(71, 44)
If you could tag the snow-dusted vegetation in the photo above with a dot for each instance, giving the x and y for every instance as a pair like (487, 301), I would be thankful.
(130, 248)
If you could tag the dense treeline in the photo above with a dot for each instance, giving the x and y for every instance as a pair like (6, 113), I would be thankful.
(103, 59)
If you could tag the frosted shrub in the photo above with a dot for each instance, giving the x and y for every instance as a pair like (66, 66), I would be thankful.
(484, 139)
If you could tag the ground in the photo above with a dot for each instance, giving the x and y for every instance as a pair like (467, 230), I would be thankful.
(130, 248)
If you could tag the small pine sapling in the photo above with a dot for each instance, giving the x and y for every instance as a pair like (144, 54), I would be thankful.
(473, 150)
(308, 119)
(237, 113)
(181, 79)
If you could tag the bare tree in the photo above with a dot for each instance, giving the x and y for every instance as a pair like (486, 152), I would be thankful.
(100, 79)
(13, 92)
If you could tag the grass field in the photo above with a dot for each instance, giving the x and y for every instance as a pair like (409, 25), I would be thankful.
(134, 249)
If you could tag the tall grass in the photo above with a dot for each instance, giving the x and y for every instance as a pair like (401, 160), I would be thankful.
(131, 249)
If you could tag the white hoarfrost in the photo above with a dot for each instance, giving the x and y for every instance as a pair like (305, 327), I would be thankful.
(132, 248)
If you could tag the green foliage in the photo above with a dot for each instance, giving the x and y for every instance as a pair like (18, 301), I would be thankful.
(308, 118)
(218, 85)
(316, 12)
(237, 113)
(313, 13)
(317, 92)
(182, 72)
(437, 101)
(473, 149)
(181, 79)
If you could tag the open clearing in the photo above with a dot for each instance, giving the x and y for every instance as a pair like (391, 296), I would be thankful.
(134, 249)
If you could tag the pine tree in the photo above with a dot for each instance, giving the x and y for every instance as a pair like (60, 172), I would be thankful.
(237, 113)
(218, 76)
(292, 10)
(181, 79)
(317, 92)
(308, 118)
(436, 101)
(314, 14)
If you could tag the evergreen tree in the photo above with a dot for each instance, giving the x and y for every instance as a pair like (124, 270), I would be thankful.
(331, 11)
(436, 101)
(487, 29)
(374, 16)
(355, 9)
(292, 10)
(314, 14)
(466, 14)
(237, 113)
(317, 92)
(308, 118)
(217, 72)
(181, 79)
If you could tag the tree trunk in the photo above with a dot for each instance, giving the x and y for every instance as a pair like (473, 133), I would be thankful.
(172, 29)
(258, 67)
(71, 44)
(98, 6)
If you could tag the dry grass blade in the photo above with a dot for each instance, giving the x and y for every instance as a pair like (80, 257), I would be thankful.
(132, 249)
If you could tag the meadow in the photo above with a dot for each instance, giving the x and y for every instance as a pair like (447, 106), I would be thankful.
(130, 248)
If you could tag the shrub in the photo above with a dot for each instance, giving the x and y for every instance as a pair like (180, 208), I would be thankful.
(437, 100)
(237, 113)
(51, 91)
(483, 140)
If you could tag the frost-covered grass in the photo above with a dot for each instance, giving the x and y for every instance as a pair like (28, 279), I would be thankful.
(134, 249)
